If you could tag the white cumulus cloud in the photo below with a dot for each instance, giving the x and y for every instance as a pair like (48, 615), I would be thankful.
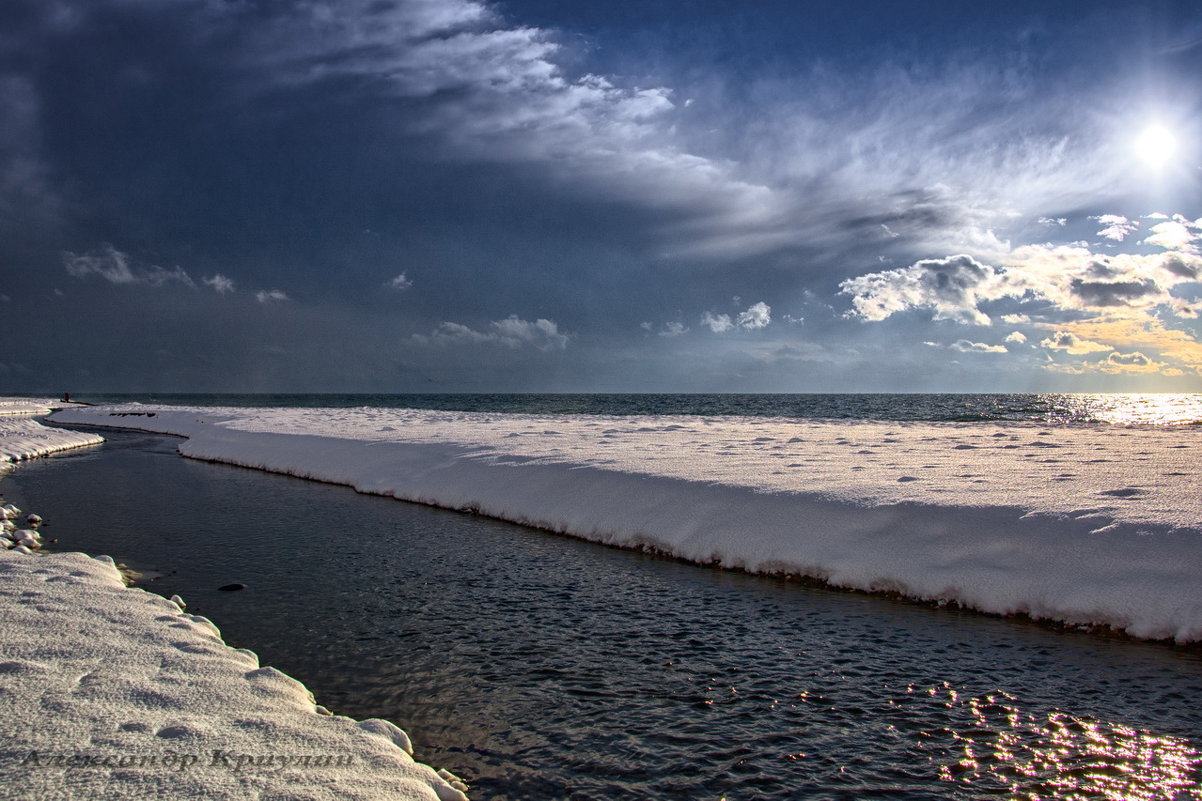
(1115, 226)
(756, 316)
(952, 287)
(1069, 277)
(1177, 233)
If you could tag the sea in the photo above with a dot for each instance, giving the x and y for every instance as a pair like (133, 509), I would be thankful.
(538, 666)
(1048, 408)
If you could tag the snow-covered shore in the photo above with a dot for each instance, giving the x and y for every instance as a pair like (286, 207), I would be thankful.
(23, 437)
(1081, 525)
(25, 406)
(111, 692)
(116, 693)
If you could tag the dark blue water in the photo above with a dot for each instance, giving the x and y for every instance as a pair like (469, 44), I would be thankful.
(541, 667)
(1052, 408)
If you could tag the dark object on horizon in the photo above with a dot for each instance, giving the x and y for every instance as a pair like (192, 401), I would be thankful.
(66, 397)
(232, 587)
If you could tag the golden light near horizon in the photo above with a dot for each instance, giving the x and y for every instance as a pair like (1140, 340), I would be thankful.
(1126, 408)
(1156, 145)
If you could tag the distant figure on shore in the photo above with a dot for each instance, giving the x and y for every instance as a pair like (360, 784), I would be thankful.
(66, 397)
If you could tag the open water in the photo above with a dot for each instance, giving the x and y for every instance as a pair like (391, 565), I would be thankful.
(1048, 408)
(541, 667)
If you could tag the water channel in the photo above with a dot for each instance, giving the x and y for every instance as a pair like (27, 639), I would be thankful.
(541, 667)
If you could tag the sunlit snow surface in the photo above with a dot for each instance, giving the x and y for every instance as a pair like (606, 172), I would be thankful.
(24, 406)
(1088, 525)
(110, 692)
(22, 437)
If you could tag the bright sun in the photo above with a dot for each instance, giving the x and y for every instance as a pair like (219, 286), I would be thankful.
(1156, 145)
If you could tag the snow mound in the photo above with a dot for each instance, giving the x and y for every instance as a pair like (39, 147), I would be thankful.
(116, 693)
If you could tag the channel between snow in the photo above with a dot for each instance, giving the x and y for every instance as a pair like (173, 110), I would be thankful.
(1085, 526)
(116, 693)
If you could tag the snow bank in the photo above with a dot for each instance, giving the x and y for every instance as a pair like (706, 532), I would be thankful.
(22, 437)
(116, 693)
(25, 438)
(26, 406)
(1083, 525)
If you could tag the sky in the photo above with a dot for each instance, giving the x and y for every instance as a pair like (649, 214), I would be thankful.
(538, 196)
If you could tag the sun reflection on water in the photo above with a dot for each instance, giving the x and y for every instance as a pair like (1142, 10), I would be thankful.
(1124, 408)
(1000, 749)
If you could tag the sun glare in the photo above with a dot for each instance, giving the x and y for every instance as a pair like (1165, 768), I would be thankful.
(1156, 145)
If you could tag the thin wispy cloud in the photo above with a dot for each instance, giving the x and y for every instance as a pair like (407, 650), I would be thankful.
(495, 90)
(116, 267)
(718, 323)
(511, 332)
(968, 346)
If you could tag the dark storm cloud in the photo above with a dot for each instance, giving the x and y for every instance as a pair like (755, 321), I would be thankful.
(24, 180)
(473, 86)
